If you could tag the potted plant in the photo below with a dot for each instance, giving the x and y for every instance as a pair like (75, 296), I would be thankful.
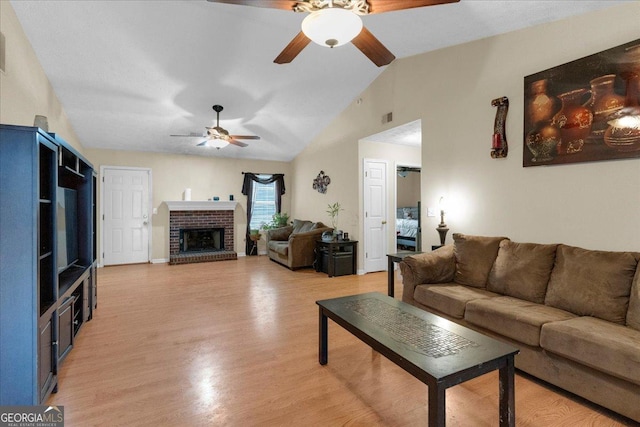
(334, 210)
(277, 220)
(255, 235)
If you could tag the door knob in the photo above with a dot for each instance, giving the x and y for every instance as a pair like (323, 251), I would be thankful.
(384, 222)
(145, 222)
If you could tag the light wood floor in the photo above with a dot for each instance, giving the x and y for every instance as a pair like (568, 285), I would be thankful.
(235, 343)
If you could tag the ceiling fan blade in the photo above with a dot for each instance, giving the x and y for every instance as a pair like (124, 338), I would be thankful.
(192, 134)
(244, 136)
(373, 48)
(292, 50)
(380, 6)
(272, 4)
(238, 143)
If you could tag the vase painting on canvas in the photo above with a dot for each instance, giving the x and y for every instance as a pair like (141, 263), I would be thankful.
(584, 111)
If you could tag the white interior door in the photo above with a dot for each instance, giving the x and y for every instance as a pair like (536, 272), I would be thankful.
(375, 215)
(126, 219)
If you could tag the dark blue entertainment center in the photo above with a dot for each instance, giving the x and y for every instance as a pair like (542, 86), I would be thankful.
(48, 286)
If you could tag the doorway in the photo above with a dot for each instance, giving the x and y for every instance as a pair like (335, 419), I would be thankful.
(407, 218)
(375, 215)
(125, 215)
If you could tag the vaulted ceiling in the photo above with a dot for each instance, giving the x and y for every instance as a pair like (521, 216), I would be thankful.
(131, 73)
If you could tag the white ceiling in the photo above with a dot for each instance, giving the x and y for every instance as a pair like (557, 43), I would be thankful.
(130, 73)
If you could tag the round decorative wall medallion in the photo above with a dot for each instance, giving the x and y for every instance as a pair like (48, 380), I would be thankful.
(321, 182)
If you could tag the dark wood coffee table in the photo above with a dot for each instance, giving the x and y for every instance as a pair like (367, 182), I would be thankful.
(436, 351)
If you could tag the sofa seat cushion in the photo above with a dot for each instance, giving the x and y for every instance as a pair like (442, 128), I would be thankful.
(592, 283)
(514, 318)
(279, 247)
(449, 298)
(602, 345)
(474, 257)
(522, 270)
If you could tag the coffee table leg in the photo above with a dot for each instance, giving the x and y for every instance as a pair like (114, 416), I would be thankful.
(507, 394)
(390, 277)
(437, 406)
(323, 338)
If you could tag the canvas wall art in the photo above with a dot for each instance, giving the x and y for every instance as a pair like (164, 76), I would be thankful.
(585, 110)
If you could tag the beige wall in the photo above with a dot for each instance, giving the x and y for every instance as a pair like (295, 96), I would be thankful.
(25, 90)
(205, 176)
(408, 189)
(593, 205)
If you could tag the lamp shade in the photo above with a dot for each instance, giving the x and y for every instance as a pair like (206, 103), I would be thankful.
(332, 26)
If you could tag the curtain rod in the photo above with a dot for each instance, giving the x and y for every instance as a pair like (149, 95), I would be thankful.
(262, 173)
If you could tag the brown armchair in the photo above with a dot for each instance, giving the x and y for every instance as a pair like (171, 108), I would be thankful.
(294, 245)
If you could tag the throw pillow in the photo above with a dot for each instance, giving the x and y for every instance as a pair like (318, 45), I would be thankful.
(522, 270)
(474, 258)
(592, 283)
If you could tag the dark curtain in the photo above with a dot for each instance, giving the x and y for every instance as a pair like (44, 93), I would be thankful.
(247, 190)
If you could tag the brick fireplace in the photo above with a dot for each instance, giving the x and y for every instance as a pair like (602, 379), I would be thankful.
(199, 215)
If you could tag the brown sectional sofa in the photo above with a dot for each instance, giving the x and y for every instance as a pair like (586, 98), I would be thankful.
(294, 245)
(573, 313)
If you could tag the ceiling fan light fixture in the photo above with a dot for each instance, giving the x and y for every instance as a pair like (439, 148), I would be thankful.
(215, 143)
(332, 26)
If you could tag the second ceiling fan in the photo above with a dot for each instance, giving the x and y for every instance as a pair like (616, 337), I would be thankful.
(218, 136)
(333, 23)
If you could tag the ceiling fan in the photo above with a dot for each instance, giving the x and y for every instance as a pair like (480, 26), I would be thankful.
(333, 23)
(218, 137)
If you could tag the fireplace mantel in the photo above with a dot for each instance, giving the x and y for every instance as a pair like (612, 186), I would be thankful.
(201, 205)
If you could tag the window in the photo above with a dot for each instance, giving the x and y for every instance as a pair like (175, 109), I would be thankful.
(264, 203)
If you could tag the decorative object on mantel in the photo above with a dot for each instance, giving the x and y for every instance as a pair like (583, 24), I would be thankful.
(187, 194)
(442, 227)
(321, 182)
(598, 116)
(499, 145)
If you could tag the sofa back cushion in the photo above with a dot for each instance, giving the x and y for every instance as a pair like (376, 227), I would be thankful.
(301, 226)
(522, 270)
(633, 313)
(281, 233)
(592, 283)
(474, 258)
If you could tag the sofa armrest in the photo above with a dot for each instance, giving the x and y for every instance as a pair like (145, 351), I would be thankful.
(438, 266)
(302, 246)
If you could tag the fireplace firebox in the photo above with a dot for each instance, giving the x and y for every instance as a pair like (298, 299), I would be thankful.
(201, 240)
